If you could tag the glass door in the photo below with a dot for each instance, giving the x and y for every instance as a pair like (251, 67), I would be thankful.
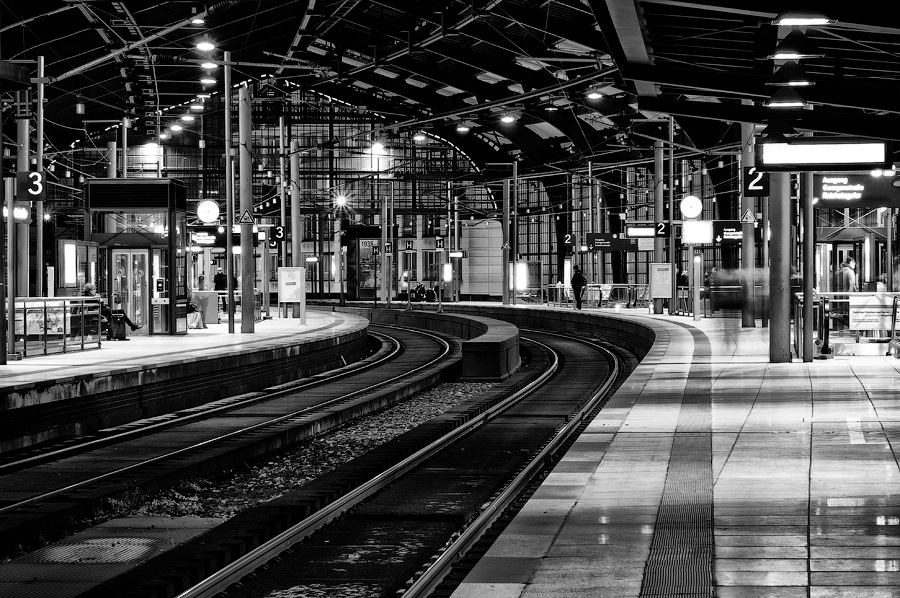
(129, 285)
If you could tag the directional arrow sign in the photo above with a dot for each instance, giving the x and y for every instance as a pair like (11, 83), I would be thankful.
(727, 231)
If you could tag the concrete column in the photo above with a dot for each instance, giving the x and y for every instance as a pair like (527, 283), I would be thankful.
(780, 269)
(748, 240)
(246, 198)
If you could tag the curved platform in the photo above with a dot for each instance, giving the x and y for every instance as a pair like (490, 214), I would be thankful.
(46, 397)
(715, 473)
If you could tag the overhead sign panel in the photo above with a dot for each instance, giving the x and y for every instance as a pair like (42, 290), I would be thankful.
(635, 231)
(835, 190)
(611, 242)
(697, 232)
(839, 154)
(727, 231)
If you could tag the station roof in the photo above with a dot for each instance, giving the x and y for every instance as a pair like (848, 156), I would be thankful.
(434, 64)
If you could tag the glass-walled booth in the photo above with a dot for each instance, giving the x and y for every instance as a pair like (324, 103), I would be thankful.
(77, 263)
(140, 228)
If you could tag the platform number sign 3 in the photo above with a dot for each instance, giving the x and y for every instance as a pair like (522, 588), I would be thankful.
(278, 234)
(756, 184)
(30, 186)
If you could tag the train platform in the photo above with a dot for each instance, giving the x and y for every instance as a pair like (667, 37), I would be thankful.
(712, 472)
(52, 396)
(142, 350)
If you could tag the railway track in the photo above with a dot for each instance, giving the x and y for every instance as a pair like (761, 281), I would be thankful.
(403, 529)
(156, 453)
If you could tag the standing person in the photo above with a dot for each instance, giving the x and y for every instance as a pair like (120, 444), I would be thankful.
(845, 278)
(578, 282)
(844, 281)
(220, 284)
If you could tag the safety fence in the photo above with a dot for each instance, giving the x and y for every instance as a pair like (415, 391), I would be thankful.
(49, 325)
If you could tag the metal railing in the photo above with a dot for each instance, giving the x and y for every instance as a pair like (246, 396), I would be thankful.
(258, 310)
(51, 325)
(833, 316)
(601, 295)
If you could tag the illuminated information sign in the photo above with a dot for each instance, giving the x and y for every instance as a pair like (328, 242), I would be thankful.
(855, 190)
(611, 242)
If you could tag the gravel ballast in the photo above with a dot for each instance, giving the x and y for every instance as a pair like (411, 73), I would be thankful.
(261, 482)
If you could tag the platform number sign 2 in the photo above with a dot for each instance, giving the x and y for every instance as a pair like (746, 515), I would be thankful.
(756, 183)
(30, 186)
(568, 239)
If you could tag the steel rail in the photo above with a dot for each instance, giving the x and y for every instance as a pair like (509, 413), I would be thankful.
(229, 435)
(440, 567)
(245, 565)
(210, 409)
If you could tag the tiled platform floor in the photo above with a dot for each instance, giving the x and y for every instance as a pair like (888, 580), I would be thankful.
(805, 482)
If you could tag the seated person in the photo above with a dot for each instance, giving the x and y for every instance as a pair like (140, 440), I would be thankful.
(91, 291)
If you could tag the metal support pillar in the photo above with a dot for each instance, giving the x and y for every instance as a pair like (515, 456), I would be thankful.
(296, 218)
(111, 154)
(39, 205)
(246, 199)
(809, 267)
(673, 255)
(504, 274)
(229, 196)
(385, 289)
(125, 124)
(748, 234)
(23, 232)
(282, 246)
(10, 278)
(780, 269)
(659, 249)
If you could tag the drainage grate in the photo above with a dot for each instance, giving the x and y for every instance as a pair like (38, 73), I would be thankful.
(94, 551)
(680, 561)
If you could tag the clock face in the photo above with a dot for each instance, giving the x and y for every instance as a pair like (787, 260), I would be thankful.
(691, 207)
(208, 211)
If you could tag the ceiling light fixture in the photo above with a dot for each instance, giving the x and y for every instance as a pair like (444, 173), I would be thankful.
(790, 74)
(209, 65)
(796, 19)
(594, 95)
(206, 46)
(778, 129)
(207, 80)
(420, 136)
(187, 118)
(462, 128)
(785, 97)
(795, 46)
(197, 21)
(507, 118)
(196, 106)
(176, 127)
